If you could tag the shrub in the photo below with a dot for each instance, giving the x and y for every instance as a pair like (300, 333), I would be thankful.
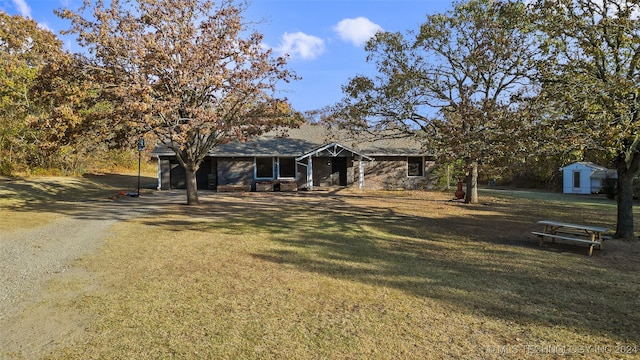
(6, 168)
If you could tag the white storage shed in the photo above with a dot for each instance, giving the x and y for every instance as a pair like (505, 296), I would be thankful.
(585, 177)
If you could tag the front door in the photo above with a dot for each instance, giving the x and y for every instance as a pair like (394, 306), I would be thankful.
(177, 176)
(339, 171)
(203, 175)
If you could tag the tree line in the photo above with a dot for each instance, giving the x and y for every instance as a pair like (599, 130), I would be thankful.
(489, 84)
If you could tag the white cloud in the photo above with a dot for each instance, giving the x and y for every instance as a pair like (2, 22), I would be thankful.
(22, 7)
(356, 31)
(301, 45)
(45, 26)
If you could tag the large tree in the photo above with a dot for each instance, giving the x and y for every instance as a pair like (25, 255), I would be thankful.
(591, 74)
(25, 49)
(71, 119)
(452, 83)
(190, 71)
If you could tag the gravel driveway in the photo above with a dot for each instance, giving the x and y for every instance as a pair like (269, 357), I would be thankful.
(31, 259)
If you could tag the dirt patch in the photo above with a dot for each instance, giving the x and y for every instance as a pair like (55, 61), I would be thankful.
(26, 335)
(31, 260)
(620, 254)
(48, 225)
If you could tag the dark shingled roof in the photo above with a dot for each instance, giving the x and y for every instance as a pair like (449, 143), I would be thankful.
(308, 137)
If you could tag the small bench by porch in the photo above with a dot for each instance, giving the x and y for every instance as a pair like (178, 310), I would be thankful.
(233, 188)
(276, 185)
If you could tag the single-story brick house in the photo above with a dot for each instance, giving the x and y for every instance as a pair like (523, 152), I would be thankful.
(309, 157)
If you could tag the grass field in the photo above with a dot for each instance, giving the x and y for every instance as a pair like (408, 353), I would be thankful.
(365, 275)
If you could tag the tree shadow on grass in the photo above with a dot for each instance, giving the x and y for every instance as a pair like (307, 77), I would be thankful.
(54, 189)
(92, 196)
(122, 182)
(485, 261)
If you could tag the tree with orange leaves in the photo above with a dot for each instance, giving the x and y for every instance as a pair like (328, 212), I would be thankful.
(190, 71)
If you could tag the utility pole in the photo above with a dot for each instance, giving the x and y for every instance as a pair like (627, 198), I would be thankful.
(140, 148)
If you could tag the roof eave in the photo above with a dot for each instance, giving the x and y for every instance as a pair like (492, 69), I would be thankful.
(328, 146)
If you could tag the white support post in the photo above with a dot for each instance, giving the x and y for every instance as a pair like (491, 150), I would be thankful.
(309, 173)
(159, 174)
(360, 172)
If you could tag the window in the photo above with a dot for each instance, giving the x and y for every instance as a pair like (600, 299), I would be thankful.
(287, 167)
(264, 168)
(415, 166)
(576, 179)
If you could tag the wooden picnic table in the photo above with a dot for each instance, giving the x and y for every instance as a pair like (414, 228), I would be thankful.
(591, 235)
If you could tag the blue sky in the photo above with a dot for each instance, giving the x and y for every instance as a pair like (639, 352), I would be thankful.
(324, 38)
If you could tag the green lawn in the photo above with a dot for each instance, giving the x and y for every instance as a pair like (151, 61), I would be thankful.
(360, 275)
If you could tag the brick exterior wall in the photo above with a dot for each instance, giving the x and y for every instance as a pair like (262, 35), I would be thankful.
(390, 173)
(235, 171)
(384, 173)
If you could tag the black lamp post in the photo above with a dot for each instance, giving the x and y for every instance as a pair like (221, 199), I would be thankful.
(140, 148)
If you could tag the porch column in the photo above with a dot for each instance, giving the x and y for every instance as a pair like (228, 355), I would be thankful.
(360, 173)
(159, 174)
(309, 173)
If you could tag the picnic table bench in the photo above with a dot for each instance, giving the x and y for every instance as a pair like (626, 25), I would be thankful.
(587, 234)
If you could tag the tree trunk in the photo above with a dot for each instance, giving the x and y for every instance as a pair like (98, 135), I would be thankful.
(624, 198)
(472, 184)
(192, 187)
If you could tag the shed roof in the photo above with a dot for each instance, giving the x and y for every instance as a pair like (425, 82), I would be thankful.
(587, 164)
(595, 169)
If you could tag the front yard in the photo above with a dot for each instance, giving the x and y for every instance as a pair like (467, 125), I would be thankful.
(355, 275)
